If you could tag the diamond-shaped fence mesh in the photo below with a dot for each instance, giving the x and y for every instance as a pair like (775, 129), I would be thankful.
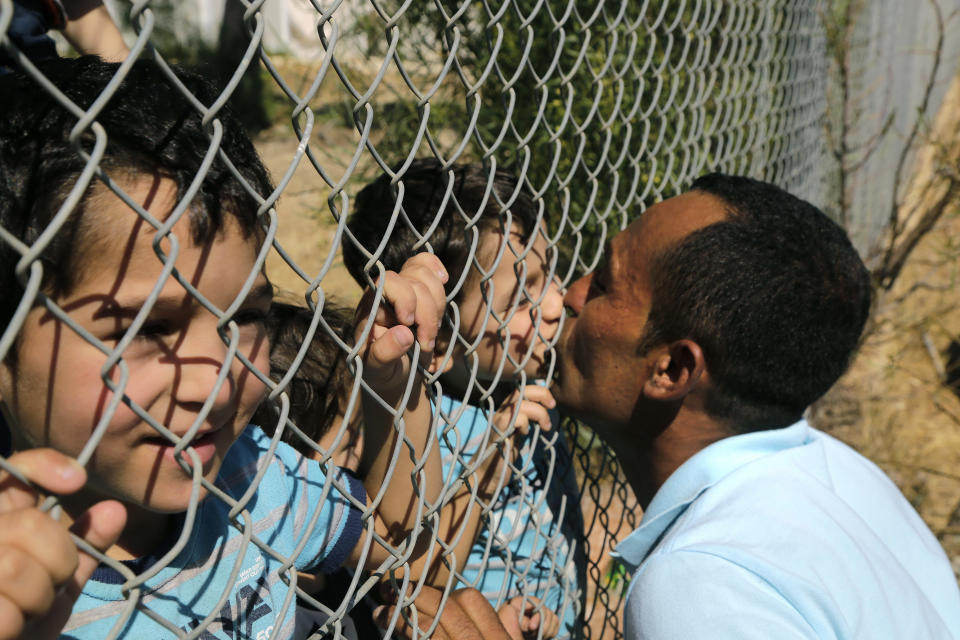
(514, 138)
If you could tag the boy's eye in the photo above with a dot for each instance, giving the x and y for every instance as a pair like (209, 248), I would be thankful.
(153, 330)
(245, 317)
(533, 285)
(148, 331)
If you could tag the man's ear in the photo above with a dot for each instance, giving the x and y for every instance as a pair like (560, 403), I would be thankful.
(676, 371)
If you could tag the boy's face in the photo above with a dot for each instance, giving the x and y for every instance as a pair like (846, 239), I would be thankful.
(527, 342)
(53, 394)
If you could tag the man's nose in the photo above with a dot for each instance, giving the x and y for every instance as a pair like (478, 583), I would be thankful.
(577, 294)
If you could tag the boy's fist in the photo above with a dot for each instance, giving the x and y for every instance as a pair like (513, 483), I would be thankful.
(411, 309)
(41, 570)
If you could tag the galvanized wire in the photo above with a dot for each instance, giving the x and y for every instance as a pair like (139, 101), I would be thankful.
(599, 109)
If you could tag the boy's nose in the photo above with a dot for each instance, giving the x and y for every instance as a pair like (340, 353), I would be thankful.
(200, 373)
(552, 305)
(577, 294)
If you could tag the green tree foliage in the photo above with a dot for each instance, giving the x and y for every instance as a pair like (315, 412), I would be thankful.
(604, 108)
(181, 43)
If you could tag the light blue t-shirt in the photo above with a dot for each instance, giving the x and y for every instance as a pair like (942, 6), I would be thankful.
(535, 526)
(786, 533)
(259, 601)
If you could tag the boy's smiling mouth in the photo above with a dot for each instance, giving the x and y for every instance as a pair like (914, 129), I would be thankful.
(205, 444)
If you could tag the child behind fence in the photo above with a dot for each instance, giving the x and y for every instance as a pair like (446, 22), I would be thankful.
(192, 538)
(320, 387)
(530, 541)
(318, 390)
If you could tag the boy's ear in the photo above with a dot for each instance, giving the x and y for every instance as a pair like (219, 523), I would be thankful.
(677, 370)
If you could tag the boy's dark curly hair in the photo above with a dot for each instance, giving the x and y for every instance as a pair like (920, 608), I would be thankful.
(316, 388)
(151, 128)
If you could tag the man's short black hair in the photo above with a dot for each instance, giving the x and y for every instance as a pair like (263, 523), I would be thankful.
(316, 389)
(475, 194)
(775, 295)
(151, 128)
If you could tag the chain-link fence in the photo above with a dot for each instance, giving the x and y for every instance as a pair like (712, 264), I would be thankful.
(562, 118)
(893, 63)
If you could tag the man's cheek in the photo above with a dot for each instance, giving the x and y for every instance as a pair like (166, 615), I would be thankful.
(582, 352)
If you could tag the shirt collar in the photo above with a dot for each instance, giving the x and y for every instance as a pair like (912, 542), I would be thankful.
(696, 475)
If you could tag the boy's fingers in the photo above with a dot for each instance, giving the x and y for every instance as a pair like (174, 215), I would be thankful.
(389, 346)
(535, 412)
(416, 297)
(430, 262)
(413, 305)
(427, 275)
(428, 314)
(399, 294)
(539, 394)
(550, 624)
(25, 582)
(424, 271)
(49, 469)
(39, 536)
(521, 425)
(427, 304)
(11, 619)
(478, 608)
(101, 527)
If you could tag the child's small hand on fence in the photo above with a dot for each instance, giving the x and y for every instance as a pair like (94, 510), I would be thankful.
(413, 301)
(411, 310)
(511, 423)
(41, 570)
(523, 407)
(528, 616)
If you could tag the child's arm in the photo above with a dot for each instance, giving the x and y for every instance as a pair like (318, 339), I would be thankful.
(91, 30)
(413, 299)
(512, 423)
(41, 571)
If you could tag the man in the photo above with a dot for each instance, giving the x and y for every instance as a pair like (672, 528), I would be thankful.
(717, 318)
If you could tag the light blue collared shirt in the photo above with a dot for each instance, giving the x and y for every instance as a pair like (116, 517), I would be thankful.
(786, 533)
